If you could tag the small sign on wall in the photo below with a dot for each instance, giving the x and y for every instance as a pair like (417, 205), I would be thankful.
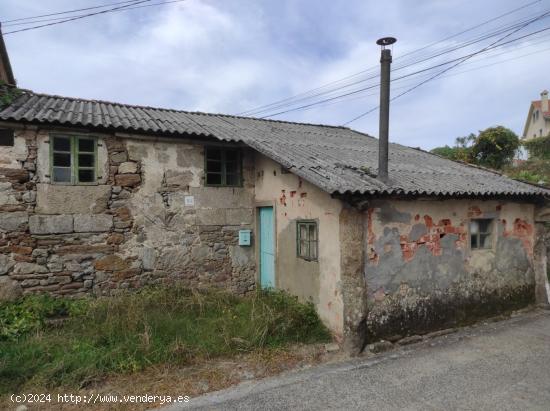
(189, 201)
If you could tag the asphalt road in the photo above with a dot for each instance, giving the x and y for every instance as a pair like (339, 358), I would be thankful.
(494, 366)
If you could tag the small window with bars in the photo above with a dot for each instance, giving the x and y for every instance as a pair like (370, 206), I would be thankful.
(481, 233)
(223, 167)
(73, 159)
(307, 240)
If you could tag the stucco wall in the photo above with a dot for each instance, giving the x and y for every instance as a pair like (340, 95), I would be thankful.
(422, 275)
(131, 228)
(534, 126)
(295, 199)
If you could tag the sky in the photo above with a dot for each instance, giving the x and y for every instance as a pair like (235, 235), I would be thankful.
(229, 56)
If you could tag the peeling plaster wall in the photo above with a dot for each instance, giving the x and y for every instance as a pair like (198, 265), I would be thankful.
(195, 244)
(295, 199)
(421, 274)
(12, 157)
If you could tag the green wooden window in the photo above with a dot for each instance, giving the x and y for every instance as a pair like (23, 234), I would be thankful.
(307, 240)
(73, 159)
(223, 167)
(481, 233)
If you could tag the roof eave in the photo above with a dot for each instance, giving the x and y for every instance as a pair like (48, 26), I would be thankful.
(6, 60)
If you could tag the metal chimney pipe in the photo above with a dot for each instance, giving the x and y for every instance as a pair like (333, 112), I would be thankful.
(384, 125)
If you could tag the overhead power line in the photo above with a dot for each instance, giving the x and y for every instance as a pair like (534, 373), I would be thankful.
(449, 68)
(69, 11)
(308, 94)
(462, 58)
(275, 106)
(129, 7)
(362, 96)
(452, 36)
(132, 6)
(77, 17)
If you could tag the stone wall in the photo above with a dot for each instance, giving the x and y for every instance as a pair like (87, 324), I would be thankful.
(130, 229)
(354, 295)
(421, 274)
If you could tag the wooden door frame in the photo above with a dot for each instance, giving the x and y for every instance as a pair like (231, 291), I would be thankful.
(258, 205)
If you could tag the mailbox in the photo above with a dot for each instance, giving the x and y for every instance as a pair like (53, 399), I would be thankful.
(244, 237)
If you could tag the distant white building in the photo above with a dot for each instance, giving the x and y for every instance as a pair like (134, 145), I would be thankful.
(538, 119)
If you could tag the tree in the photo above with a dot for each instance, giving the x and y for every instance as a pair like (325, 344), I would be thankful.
(461, 150)
(495, 147)
(446, 151)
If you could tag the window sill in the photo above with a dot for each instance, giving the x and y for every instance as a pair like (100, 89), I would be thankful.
(309, 260)
(73, 184)
(223, 186)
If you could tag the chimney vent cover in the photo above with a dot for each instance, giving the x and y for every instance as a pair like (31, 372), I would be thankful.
(386, 41)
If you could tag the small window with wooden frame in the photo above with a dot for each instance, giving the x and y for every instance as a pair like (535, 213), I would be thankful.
(6, 137)
(481, 234)
(73, 159)
(307, 240)
(223, 166)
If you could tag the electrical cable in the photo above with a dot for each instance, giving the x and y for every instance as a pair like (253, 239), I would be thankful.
(447, 69)
(307, 93)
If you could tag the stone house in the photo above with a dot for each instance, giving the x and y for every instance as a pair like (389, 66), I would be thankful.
(99, 197)
(537, 123)
(96, 197)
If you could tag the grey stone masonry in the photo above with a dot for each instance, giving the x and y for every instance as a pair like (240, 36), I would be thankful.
(51, 224)
(92, 223)
(133, 228)
(13, 221)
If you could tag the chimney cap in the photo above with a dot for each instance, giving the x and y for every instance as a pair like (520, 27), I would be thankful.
(386, 41)
(544, 93)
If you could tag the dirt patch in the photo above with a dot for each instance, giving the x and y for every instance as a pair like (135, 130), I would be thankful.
(205, 375)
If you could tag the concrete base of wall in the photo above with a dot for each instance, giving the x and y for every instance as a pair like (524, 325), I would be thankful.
(398, 318)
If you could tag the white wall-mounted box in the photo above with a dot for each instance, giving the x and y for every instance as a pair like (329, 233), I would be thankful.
(189, 201)
(244, 237)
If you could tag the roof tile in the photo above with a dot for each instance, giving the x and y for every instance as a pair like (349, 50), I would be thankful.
(337, 159)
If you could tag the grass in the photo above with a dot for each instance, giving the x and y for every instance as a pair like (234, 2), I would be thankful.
(129, 333)
(534, 170)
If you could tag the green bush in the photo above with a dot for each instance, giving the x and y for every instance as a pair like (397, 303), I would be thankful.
(30, 313)
(8, 94)
(131, 332)
(538, 147)
(534, 170)
(495, 147)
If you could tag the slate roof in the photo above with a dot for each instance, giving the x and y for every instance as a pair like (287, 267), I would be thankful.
(336, 159)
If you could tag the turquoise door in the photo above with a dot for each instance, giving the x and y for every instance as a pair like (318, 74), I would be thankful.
(267, 248)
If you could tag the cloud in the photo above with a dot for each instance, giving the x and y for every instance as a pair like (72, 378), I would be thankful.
(229, 56)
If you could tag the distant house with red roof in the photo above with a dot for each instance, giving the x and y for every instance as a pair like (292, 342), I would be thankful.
(538, 119)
